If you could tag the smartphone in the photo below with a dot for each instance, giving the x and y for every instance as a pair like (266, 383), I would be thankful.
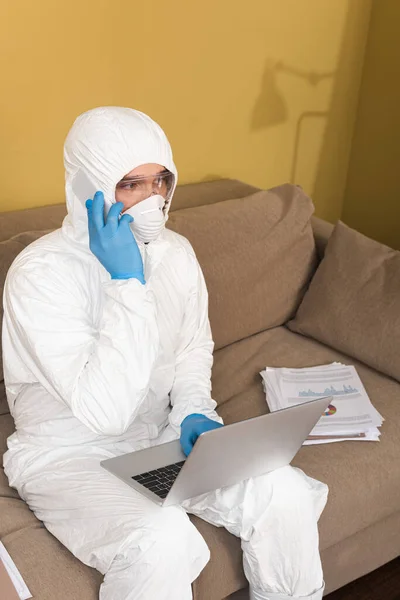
(85, 189)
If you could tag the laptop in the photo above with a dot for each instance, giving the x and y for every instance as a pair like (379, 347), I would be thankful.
(220, 457)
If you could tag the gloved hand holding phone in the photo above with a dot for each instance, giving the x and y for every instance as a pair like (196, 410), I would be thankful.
(112, 241)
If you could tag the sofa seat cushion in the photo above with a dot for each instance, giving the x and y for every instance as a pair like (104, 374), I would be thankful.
(3, 398)
(7, 427)
(353, 303)
(257, 251)
(50, 571)
(363, 477)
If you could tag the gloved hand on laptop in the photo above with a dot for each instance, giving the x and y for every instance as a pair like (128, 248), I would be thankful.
(193, 426)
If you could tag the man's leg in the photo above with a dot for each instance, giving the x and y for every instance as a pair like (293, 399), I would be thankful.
(161, 566)
(144, 551)
(276, 516)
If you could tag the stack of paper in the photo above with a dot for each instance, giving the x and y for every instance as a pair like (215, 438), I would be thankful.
(350, 414)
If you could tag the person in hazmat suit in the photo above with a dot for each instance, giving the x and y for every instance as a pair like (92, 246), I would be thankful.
(108, 350)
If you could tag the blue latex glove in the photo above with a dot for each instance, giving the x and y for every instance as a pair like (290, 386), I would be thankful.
(193, 426)
(113, 242)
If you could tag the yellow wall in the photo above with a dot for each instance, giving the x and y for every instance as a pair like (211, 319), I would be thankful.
(264, 90)
(372, 202)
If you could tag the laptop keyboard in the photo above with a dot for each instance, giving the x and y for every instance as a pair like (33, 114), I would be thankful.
(160, 481)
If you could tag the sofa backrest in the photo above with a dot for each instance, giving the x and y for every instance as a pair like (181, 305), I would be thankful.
(189, 195)
(256, 250)
(258, 256)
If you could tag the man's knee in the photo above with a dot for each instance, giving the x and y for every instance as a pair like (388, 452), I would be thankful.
(168, 533)
(291, 487)
(173, 523)
(168, 551)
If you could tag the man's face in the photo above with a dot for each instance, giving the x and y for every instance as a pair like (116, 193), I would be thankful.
(141, 183)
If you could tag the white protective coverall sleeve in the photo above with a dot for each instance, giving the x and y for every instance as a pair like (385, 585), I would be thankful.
(191, 391)
(102, 375)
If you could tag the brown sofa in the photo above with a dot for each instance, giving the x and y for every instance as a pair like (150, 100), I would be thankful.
(360, 527)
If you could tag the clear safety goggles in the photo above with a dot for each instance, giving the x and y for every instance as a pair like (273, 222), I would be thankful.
(140, 188)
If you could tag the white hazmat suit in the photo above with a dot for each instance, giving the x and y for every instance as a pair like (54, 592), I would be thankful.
(96, 367)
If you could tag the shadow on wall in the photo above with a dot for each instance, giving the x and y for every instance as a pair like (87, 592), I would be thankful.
(334, 156)
(313, 78)
(372, 203)
(312, 114)
(271, 109)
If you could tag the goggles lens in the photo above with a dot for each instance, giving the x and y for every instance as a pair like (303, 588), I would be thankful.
(143, 187)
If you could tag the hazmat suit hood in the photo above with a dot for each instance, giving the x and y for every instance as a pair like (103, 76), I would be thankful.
(105, 144)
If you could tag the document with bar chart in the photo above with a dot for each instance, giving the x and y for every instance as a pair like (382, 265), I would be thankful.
(350, 415)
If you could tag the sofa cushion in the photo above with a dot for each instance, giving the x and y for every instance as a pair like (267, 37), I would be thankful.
(257, 254)
(353, 303)
(223, 574)
(7, 427)
(50, 571)
(20, 228)
(15, 515)
(31, 219)
(209, 192)
(363, 477)
(3, 398)
(5, 490)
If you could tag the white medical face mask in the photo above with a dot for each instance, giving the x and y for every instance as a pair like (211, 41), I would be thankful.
(149, 219)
